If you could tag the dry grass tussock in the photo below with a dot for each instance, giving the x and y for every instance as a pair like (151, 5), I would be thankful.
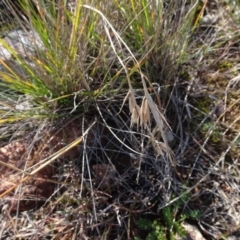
(118, 151)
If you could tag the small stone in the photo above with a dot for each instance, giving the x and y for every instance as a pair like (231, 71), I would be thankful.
(192, 233)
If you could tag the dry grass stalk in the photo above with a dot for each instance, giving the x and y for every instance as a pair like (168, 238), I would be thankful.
(34, 168)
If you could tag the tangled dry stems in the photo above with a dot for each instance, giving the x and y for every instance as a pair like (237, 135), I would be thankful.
(117, 177)
(131, 181)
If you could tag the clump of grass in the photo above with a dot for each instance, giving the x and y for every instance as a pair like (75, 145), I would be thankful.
(89, 60)
(86, 65)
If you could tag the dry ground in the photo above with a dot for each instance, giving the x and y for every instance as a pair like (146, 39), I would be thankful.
(99, 189)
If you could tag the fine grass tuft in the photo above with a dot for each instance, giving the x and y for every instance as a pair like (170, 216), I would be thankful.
(129, 103)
